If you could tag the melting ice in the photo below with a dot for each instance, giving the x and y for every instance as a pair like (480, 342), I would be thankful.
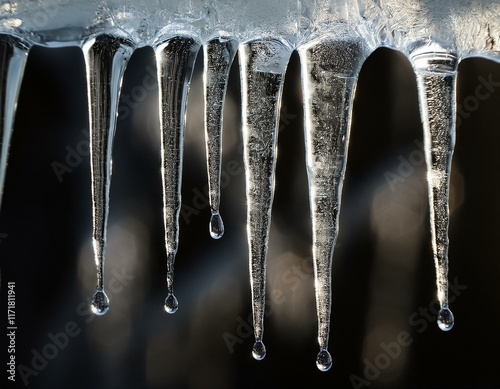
(332, 38)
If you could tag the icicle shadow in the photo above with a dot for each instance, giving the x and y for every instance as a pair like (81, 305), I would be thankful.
(330, 68)
(218, 56)
(435, 68)
(262, 65)
(106, 57)
(175, 58)
(13, 56)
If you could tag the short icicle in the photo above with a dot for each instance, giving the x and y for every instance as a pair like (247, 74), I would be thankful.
(330, 68)
(436, 70)
(13, 55)
(175, 58)
(262, 67)
(218, 56)
(106, 58)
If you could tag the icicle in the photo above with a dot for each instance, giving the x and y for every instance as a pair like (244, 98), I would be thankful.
(329, 72)
(263, 64)
(218, 54)
(13, 55)
(175, 59)
(106, 58)
(435, 69)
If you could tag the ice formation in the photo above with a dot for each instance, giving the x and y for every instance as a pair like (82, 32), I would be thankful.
(332, 37)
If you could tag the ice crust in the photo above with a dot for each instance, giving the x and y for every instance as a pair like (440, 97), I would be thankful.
(467, 27)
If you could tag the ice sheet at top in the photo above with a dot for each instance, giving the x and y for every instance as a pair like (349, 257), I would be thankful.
(469, 27)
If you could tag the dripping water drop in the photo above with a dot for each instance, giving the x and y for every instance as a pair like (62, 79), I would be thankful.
(445, 319)
(171, 303)
(259, 350)
(216, 225)
(100, 303)
(324, 360)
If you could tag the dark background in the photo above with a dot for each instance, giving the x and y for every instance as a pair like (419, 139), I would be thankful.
(383, 269)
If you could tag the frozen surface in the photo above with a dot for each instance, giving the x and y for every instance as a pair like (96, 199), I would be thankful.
(333, 38)
(469, 27)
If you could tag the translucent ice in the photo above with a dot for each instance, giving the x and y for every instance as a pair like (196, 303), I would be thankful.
(13, 54)
(263, 66)
(218, 54)
(105, 57)
(175, 58)
(332, 37)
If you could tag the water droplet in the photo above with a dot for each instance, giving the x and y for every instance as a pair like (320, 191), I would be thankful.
(324, 360)
(445, 319)
(171, 304)
(100, 303)
(259, 350)
(216, 226)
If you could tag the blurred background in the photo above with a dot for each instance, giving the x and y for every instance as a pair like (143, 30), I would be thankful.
(383, 332)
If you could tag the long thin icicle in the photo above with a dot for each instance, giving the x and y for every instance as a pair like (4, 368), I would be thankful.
(329, 72)
(13, 55)
(436, 77)
(175, 59)
(263, 64)
(106, 58)
(218, 55)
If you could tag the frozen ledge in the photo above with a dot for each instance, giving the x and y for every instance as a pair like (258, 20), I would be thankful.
(467, 27)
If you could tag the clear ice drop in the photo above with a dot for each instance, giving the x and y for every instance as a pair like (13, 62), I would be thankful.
(100, 302)
(259, 350)
(171, 304)
(435, 68)
(262, 68)
(324, 360)
(329, 73)
(105, 58)
(218, 57)
(216, 226)
(445, 319)
(13, 55)
(175, 57)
